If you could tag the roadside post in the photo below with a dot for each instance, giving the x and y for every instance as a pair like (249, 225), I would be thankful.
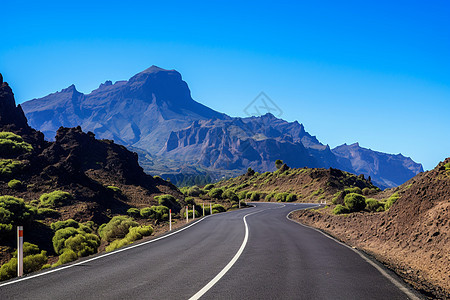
(170, 219)
(19, 251)
(203, 208)
(210, 208)
(239, 204)
(187, 214)
(193, 212)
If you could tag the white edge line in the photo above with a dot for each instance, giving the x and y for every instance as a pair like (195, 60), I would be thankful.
(399, 285)
(213, 281)
(103, 255)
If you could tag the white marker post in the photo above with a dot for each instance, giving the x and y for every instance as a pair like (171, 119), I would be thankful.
(193, 212)
(170, 220)
(19, 251)
(210, 208)
(187, 214)
(239, 204)
(203, 209)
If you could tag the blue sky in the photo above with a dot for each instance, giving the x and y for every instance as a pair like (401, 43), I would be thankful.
(376, 72)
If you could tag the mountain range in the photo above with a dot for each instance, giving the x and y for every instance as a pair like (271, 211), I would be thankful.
(154, 114)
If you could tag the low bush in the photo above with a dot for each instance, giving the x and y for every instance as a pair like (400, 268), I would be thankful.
(242, 195)
(134, 212)
(230, 195)
(197, 213)
(189, 201)
(391, 200)
(64, 224)
(340, 209)
(115, 189)
(208, 187)
(116, 228)
(355, 190)
(134, 234)
(318, 192)
(10, 167)
(218, 208)
(193, 191)
(13, 212)
(447, 166)
(270, 196)
(372, 204)
(43, 213)
(215, 193)
(33, 260)
(159, 213)
(13, 145)
(168, 201)
(55, 199)
(281, 197)
(15, 184)
(291, 198)
(355, 202)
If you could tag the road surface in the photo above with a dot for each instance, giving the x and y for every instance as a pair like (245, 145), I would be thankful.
(254, 253)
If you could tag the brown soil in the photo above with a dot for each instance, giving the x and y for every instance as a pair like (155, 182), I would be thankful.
(412, 238)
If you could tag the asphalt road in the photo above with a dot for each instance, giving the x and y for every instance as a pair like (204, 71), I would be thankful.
(265, 256)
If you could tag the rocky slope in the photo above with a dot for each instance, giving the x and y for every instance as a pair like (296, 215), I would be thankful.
(412, 237)
(103, 178)
(154, 113)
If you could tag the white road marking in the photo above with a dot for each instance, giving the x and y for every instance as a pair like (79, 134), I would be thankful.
(399, 285)
(210, 284)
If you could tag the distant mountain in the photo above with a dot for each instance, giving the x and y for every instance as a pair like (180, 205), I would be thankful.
(154, 114)
(140, 112)
(386, 170)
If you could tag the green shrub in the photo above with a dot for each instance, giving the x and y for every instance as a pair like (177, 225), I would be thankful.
(15, 184)
(355, 190)
(355, 202)
(43, 213)
(13, 212)
(194, 191)
(340, 209)
(318, 192)
(64, 224)
(208, 187)
(215, 193)
(230, 195)
(189, 201)
(168, 201)
(33, 260)
(291, 198)
(66, 257)
(134, 212)
(10, 167)
(242, 195)
(160, 212)
(197, 213)
(365, 191)
(218, 208)
(270, 196)
(13, 145)
(372, 204)
(116, 228)
(380, 208)
(55, 199)
(392, 199)
(134, 234)
(447, 166)
(115, 189)
(281, 197)
(83, 244)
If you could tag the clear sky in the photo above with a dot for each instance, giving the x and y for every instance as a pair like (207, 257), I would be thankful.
(376, 72)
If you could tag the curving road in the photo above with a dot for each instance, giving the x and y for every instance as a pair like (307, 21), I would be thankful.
(254, 253)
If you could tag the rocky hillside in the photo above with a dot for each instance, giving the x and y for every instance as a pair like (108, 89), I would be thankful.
(295, 185)
(154, 113)
(76, 181)
(412, 237)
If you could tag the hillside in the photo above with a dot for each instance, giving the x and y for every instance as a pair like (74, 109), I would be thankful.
(412, 237)
(181, 139)
(65, 190)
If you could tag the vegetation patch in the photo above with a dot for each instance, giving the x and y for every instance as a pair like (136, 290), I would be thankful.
(156, 212)
(55, 199)
(115, 189)
(33, 260)
(340, 209)
(355, 202)
(10, 167)
(13, 212)
(15, 184)
(13, 145)
(116, 228)
(391, 200)
(447, 166)
(134, 234)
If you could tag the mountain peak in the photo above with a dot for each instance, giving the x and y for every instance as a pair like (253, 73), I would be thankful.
(155, 69)
(69, 89)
